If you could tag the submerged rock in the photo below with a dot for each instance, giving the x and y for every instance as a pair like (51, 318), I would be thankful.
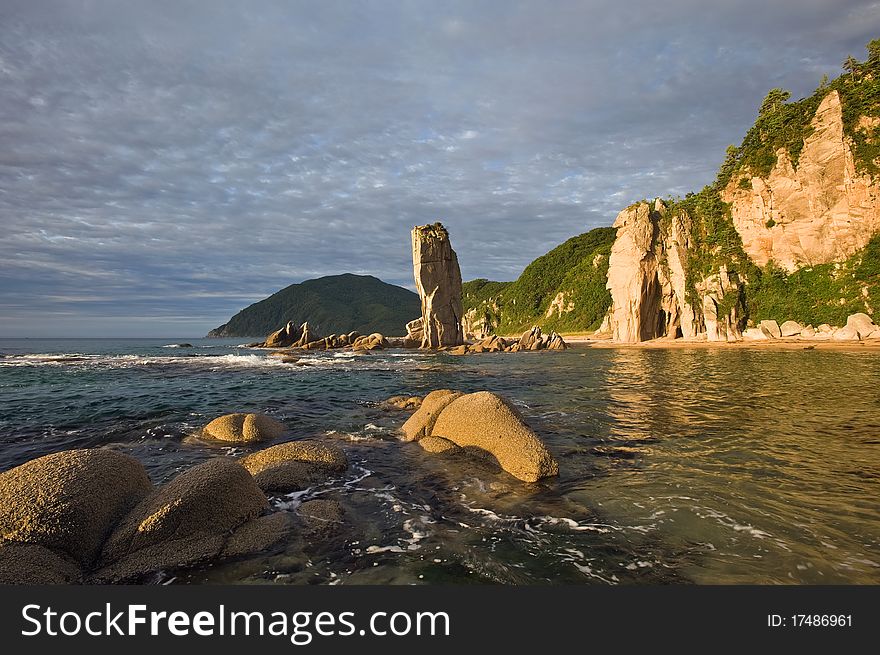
(244, 428)
(321, 516)
(488, 422)
(68, 502)
(403, 402)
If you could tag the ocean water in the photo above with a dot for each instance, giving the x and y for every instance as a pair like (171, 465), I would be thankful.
(701, 466)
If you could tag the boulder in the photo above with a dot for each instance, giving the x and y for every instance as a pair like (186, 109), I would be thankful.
(824, 328)
(307, 335)
(313, 452)
(861, 323)
(286, 336)
(420, 424)
(68, 502)
(771, 329)
(458, 350)
(185, 520)
(790, 329)
(488, 422)
(846, 333)
(294, 465)
(415, 330)
(353, 336)
(808, 332)
(529, 338)
(403, 402)
(30, 564)
(243, 428)
(874, 335)
(556, 342)
(754, 334)
(438, 282)
(437, 445)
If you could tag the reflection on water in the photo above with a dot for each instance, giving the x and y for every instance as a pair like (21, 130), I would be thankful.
(684, 466)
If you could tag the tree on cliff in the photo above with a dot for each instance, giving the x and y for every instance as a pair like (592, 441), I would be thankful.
(774, 99)
(850, 66)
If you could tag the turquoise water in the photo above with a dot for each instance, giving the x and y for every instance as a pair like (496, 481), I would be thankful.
(676, 466)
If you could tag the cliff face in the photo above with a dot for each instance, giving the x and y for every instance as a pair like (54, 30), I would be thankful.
(822, 211)
(647, 278)
(438, 281)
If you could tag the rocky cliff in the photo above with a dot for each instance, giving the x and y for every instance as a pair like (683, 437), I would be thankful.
(648, 281)
(438, 281)
(823, 210)
(790, 230)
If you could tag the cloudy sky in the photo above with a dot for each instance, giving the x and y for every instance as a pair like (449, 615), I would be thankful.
(164, 164)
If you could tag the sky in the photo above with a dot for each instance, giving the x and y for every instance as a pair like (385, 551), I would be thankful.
(164, 164)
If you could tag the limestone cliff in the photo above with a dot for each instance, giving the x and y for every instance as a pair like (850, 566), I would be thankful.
(648, 281)
(438, 281)
(823, 210)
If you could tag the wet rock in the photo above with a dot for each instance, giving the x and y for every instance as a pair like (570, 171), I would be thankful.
(489, 422)
(258, 535)
(68, 502)
(438, 445)
(186, 521)
(30, 564)
(321, 516)
(420, 424)
(243, 428)
(314, 452)
(403, 402)
(556, 342)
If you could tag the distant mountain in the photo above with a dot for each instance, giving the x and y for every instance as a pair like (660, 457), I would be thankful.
(333, 304)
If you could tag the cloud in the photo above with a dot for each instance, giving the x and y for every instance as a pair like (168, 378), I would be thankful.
(182, 159)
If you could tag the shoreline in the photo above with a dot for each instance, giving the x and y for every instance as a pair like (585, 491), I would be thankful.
(785, 343)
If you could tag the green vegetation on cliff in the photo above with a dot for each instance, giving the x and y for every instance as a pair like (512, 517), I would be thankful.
(782, 124)
(333, 304)
(571, 277)
(826, 293)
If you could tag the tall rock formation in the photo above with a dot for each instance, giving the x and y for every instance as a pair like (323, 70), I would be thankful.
(438, 281)
(648, 281)
(822, 211)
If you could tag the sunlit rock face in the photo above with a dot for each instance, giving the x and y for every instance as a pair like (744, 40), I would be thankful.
(438, 281)
(822, 211)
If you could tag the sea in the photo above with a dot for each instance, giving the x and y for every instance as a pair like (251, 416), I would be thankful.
(684, 466)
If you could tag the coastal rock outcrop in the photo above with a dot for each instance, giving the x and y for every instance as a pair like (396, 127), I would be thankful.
(243, 428)
(647, 278)
(67, 503)
(438, 282)
(821, 211)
